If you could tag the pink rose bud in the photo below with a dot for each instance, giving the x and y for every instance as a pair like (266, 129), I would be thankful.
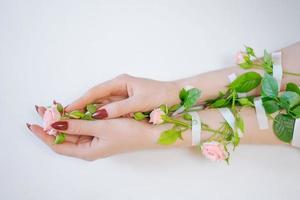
(214, 151)
(51, 115)
(240, 57)
(155, 116)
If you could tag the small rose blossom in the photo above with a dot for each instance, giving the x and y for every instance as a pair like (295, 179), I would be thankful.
(51, 115)
(214, 151)
(155, 116)
(240, 57)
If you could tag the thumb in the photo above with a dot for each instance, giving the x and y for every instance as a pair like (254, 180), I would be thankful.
(117, 109)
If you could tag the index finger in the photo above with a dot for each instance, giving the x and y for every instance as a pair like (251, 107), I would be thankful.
(105, 89)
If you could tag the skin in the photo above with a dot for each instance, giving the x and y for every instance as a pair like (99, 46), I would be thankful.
(90, 140)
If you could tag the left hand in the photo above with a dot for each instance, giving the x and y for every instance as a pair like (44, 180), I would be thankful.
(90, 140)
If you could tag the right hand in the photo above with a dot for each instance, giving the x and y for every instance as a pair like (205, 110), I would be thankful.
(127, 94)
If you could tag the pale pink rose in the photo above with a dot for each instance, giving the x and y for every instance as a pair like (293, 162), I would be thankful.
(240, 57)
(214, 151)
(51, 115)
(155, 116)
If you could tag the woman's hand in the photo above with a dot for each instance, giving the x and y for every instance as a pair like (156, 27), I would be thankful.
(90, 140)
(126, 94)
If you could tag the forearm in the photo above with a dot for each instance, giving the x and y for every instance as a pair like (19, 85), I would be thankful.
(211, 83)
(214, 119)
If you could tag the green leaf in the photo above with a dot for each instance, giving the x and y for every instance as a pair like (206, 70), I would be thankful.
(289, 99)
(271, 106)
(296, 112)
(293, 88)
(139, 116)
(246, 82)
(59, 138)
(169, 137)
(283, 127)
(191, 98)
(245, 102)
(250, 51)
(92, 108)
(219, 103)
(269, 86)
(187, 116)
(76, 114)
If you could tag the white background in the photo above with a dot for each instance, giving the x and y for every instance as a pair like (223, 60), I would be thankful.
(57, 49)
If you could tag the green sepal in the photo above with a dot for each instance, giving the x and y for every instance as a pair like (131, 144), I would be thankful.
(60, 138)
(59, 107)
(250, 51)
(187, 116)
(76, 114)
(139, 116)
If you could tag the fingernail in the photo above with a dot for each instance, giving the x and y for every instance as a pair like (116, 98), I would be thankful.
(100, 114)
(54, 102)
(66, 107)
(28, 126)
(60, 125)
(36, 108)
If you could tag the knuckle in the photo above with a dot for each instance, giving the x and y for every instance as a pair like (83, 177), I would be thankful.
(123, 77)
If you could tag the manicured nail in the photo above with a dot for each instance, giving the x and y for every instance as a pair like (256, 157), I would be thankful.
(28, 126)
(60, 125)
(66, 107)
(100, 114)
(54, 102)
(36, 108)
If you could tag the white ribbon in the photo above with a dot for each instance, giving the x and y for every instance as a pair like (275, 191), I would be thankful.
(196, 128)
(261, 114)
(277, 68)
(178, 111)
(231, 78)
(229, 118)
(296, 134)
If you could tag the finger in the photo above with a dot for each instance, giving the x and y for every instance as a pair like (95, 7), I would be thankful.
(40, 110)
(70, 138)
(117, 109)
(66, 148)
(112, 87)
(79, 127)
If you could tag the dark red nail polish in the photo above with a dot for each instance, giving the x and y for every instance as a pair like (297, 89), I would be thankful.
(100, 114)
(28, 126)
(36, 108)
(60, 125)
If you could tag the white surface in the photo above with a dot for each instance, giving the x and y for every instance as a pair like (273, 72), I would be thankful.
(57, 49)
